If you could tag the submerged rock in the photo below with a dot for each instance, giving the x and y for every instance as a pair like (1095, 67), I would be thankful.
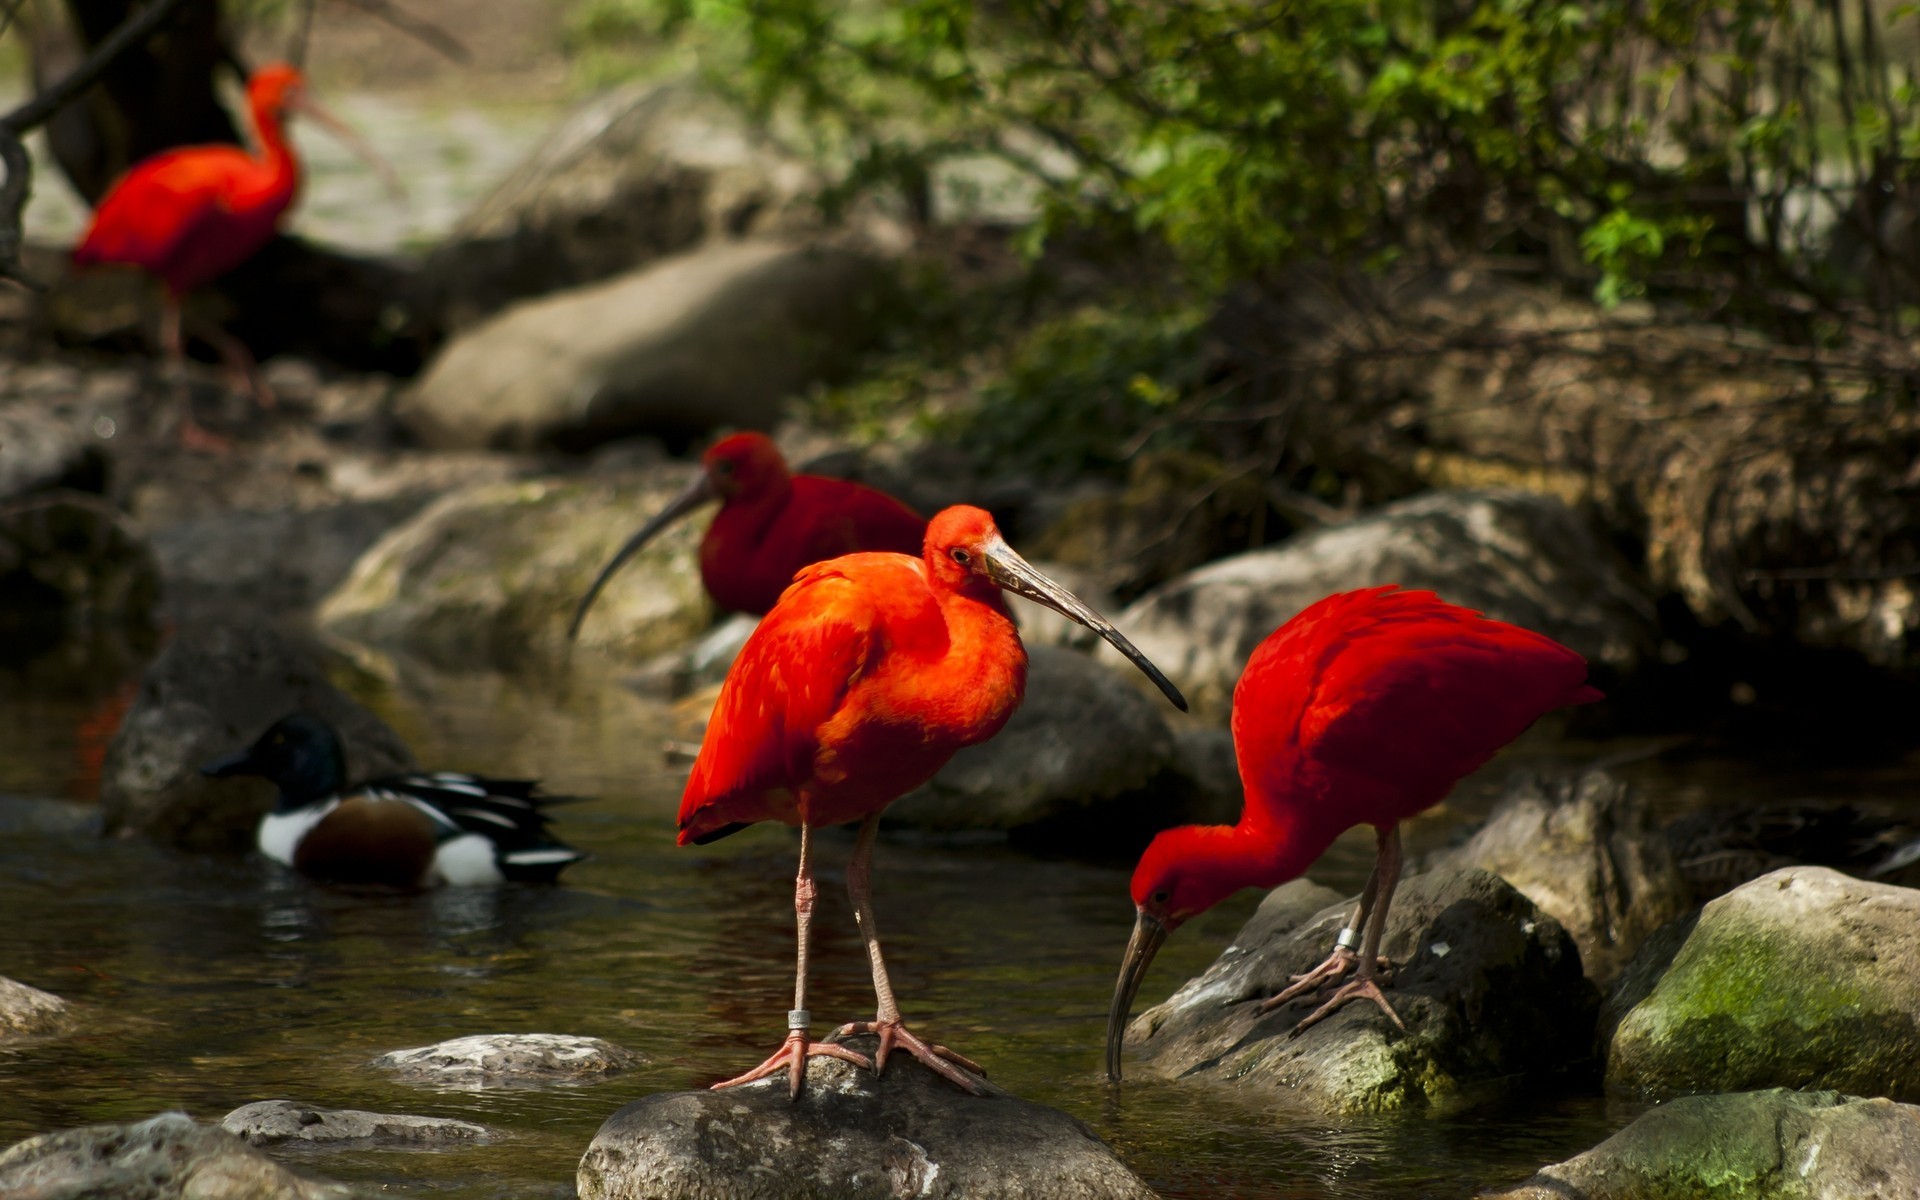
(716, 336)
(216, 687)
(1489, 986)
(28, 1011)
(851, 1136)
(167, 1157)
(1516, 556)
(1585, 850)
(74, 554)
(1802, 978)
(1769, 1145)
(271, 1122)
(492, 574)
(510, 1060)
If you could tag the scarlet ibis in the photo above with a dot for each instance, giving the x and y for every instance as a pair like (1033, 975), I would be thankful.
(193, 213)
(408, 830)
(771, 523)
(866, 677)
(1365, 708)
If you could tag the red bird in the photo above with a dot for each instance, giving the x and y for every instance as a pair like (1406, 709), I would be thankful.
(771, 523)
(1365, 708)
(866, 677)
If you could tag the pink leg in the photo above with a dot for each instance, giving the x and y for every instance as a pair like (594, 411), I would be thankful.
(886, 1024)
(1337, 964)
(193, 435)
(243, 372)
(1365, 983)
(798, 1048)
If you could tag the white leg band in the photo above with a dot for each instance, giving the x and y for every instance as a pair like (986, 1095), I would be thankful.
(799, 1018)
(1349, 939)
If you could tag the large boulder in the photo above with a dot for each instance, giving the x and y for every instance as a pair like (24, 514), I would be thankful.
(73, 555)
(1489, 986)
(716, 336)
(1769, 1145)
(851, 1136)
(1585, 850)
(29, 1012)
(1804, 978)
(1516, 556)
(167, 1157)
(509, 1060)
(492, 575)
(216, 687)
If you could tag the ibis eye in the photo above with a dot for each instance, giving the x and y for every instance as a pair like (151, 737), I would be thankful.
(723, 467)
(960, 555)
(1161, 896)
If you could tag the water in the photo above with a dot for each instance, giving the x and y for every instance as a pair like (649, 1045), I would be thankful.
(205, 983)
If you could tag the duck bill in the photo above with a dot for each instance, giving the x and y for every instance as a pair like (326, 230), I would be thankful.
(228, 765)
(1006, 568)
(349, 137)
(1148, 934)
(696, 493)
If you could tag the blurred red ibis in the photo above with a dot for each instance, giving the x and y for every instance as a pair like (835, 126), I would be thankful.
(866, 677)
(1365, 708)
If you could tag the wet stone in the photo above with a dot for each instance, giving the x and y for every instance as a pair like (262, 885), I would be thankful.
(168, 1157)
(272, 1122)
(28, 1011)
(510, 1060)
(852, 1136)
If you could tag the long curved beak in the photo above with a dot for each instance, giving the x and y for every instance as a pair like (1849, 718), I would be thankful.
(228, 765)
(696, 493)
(1006, 568)
(1148, 933)
(351, 139)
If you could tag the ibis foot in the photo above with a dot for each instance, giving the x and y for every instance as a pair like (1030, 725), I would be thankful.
(1321, 979)
(947, 1064)
(1354, 989)
(793, 1055)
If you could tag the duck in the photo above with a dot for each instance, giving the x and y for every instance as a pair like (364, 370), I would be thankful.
(411, 831)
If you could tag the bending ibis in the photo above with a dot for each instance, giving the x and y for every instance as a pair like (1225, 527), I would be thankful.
(407, 831)
(1365, 708)
(193, 213)
(866, 677)
(771, 523)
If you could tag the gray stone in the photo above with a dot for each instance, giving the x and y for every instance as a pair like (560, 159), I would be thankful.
(216, 687)
(272, 1122)
(491, 575)
(1586, 851)
(509, 1060)
(74, 554)
(716, 336)
(1489, 986)
(1768, 1145)
(1516, 556)
(1804, 977)
(850, 1136)
(28, 1011)
(167, 1157)
(43, 446)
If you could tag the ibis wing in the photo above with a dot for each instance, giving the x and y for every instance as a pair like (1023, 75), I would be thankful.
(147, 215)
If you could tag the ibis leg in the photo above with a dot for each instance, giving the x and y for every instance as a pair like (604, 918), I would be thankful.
(243, 371)
(1365, 982)
(886, 1024)
(799, 1047)
(1337, 964)
(193, 435)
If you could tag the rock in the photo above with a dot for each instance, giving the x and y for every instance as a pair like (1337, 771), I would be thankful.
(1489, 986)
(72, 553)
(1585, 850)
(1804, 978)
(712, 337)
(510, 1060)
(44, 448)
(1516, 556)
(28, 1011)
(1769, 1145)
(271, 1122)
(492, 574)
(851, 1136)
(637, 173)
(278, 561)
(214, 688)
(167, 1157)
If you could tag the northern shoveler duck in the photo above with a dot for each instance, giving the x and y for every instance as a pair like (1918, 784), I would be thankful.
(405, 830)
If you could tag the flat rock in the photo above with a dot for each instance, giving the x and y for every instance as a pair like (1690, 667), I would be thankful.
(74, 554)
(28, 1011)
(1804, 977)
(1586, 851)
(212, 690)
(1767, 1145)
(510, 1060)
(271, 1122)
(850, 1136)
(1489, 986)
(168, 1157)
(46, 446)
(1517, 556)
(491, 575)
(716, 336)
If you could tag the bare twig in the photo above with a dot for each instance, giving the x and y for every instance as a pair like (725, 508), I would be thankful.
(134, 29)
(415, 27)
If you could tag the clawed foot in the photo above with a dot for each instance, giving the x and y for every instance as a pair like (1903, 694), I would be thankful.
(198, 438)
(793, 1055)
(1365, 986)
(1321, 978)
(941, 1061)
